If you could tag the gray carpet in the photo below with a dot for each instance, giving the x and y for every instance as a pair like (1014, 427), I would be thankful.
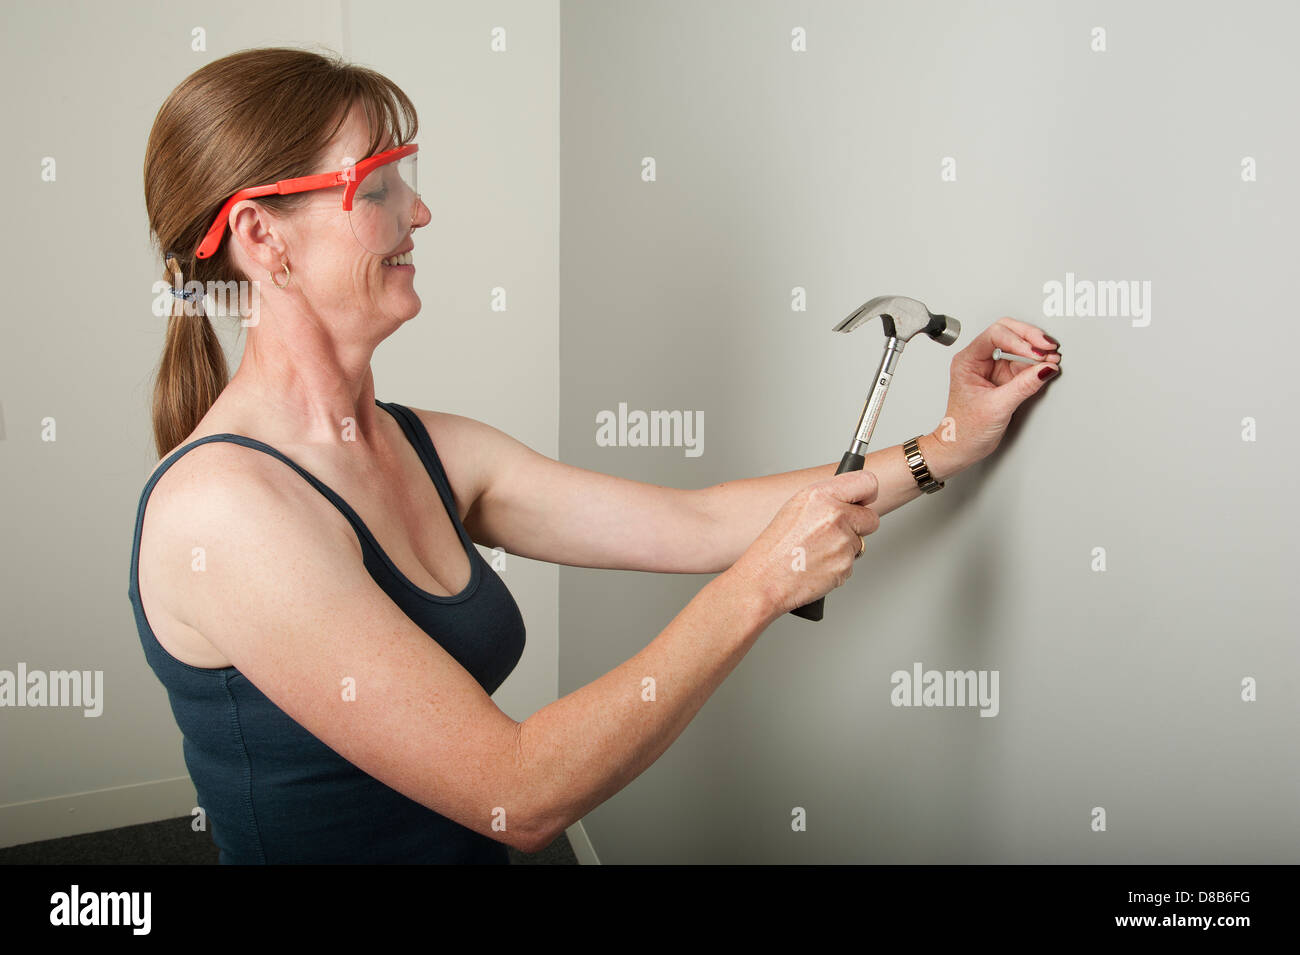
(172, 842)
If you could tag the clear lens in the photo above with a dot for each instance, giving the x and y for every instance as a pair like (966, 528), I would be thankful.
(383, 207)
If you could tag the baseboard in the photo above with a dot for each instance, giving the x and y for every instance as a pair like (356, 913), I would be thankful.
(582, 847)
(95, 811)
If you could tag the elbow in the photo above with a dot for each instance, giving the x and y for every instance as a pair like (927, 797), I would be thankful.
(533, 833)
(541, 824)
(531, 841)
(521, 829)
(545, 827)
(518, 839)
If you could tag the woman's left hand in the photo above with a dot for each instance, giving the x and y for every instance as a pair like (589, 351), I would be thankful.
(983, 393)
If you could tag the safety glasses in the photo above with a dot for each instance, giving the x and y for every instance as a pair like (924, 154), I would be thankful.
(381, 197)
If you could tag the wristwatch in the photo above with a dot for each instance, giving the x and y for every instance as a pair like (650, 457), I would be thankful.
(920, 471)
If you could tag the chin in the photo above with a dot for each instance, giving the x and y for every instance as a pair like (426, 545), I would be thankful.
(407, 307)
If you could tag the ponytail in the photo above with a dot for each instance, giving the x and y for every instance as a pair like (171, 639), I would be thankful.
(193, 370)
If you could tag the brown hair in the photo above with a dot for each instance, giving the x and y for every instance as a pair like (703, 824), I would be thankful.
(253, 117)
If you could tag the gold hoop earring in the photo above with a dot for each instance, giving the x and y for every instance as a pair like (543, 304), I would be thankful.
(287, 277)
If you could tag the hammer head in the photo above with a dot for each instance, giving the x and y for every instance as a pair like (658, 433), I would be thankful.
(904, 317)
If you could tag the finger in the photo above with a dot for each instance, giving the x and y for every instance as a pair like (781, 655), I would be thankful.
(998, 335)
(1032, 335)
(854, 487)
(864, 521)
(1009, 340)
(1016, 389)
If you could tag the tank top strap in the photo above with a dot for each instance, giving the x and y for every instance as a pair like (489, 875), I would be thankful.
(363, 533)
(418, 435)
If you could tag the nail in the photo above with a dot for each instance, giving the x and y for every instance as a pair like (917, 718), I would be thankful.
(1052, 340)
(1037, 351)
(1046, 372)
(999, 353)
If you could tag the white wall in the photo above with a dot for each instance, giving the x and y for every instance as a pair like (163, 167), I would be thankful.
(775, 169)
(84, 81)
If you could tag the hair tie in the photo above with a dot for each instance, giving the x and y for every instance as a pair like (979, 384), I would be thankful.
(190, 295)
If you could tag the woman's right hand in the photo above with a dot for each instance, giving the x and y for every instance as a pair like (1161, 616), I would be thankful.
(825, 519)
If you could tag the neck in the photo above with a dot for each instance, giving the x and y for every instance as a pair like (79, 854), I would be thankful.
(302, 386)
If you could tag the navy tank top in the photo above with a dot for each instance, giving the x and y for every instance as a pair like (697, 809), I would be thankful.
(271, 791)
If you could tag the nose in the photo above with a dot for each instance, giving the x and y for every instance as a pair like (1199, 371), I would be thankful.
(421, 216)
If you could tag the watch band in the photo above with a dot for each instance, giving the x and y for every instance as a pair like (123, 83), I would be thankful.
(920, 470)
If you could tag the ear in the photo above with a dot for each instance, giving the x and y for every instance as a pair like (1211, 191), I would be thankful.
(258, 233)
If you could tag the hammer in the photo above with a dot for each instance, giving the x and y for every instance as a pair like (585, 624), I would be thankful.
(902, 318)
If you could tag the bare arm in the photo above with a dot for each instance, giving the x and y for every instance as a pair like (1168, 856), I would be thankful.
(586, 746)
(543, 509)
(287, 599)
(739, 510)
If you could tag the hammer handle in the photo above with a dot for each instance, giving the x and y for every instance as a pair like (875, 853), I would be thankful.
(813, 611)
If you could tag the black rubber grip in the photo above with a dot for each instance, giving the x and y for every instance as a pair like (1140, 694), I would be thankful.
(814, 610)
(851, 462)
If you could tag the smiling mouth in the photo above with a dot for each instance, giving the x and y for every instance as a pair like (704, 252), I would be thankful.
(403, 259)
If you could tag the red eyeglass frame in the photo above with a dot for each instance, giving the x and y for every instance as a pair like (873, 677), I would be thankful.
(351, 177)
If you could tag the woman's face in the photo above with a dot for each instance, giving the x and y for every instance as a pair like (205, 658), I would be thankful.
(340, 280)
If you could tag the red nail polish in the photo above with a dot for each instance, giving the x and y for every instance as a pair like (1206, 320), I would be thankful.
(1046, 372)
(1037, 351)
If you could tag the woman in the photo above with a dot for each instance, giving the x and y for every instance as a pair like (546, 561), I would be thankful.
(303, 575)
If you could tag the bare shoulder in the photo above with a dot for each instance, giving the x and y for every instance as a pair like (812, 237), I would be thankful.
(211, 480)
(212, 498)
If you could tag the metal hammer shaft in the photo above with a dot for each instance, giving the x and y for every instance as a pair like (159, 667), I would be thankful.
(855, 457)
